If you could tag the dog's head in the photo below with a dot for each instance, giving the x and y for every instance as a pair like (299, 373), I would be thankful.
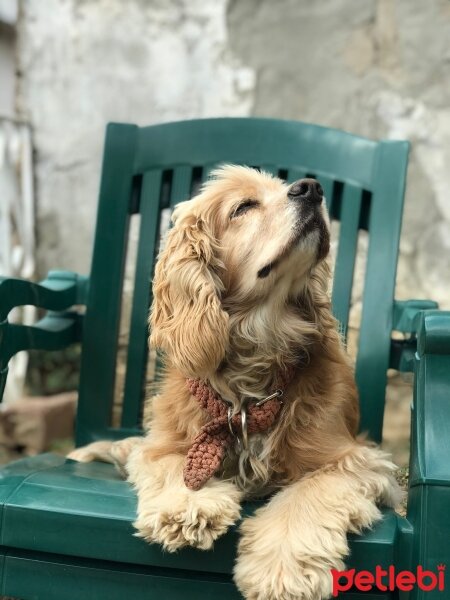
(247, 240)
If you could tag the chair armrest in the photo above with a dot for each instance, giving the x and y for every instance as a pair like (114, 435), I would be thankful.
(405, 313)
(59, 291)
(430, 439)
(54, 332)
(404, 320)
(425, 543)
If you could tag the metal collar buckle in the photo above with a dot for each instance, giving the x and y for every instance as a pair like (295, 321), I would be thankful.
(243, 441)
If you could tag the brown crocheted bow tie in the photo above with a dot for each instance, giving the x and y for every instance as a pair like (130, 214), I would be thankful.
(206, 454)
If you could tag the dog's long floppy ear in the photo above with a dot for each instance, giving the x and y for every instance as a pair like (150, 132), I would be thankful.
(186, 319)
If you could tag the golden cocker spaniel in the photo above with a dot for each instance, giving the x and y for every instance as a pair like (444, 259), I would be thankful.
(258, 396)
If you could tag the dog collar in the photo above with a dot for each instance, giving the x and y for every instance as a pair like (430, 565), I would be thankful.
(209, 448)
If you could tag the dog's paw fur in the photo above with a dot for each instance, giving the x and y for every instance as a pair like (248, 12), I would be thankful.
(278, 570)
(95, 451)
(311, 579)
(106, 451)
(290, 545)
(186, 518)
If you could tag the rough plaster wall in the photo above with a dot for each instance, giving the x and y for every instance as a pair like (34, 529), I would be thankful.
(83, 63)
(7, 73)
(379, 68)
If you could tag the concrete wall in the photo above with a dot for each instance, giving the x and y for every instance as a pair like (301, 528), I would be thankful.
(85, 63)
(379, 68)
(7, 74)
(8, 19)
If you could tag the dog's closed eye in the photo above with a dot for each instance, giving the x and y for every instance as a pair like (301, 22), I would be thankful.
(243, 207)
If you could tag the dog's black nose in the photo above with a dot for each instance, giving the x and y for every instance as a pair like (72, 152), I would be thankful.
(306, 189)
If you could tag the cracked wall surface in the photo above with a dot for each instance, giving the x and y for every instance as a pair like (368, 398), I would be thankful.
(379, 68)
(83, 64)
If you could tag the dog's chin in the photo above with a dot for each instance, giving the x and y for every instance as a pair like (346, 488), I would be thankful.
(313, 237)
(291, 272)
(310, 242)
(304, 250)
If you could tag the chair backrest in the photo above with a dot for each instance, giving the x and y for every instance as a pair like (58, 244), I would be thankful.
(146, 170)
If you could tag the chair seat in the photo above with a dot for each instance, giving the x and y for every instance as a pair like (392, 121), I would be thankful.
(52, 506)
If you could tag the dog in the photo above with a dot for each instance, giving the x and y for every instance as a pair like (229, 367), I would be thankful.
(258, 397)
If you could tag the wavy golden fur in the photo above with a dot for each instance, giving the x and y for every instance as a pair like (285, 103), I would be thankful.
(241, 294)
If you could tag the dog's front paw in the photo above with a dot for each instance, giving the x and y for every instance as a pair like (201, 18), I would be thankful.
(176, 529)
(272, 566)
(308, 579)
(187, 518)
(96, 451)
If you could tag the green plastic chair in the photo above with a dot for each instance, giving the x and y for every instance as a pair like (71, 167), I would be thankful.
(66, 528)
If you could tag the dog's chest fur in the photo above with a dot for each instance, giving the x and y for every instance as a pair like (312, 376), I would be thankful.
(249, 469)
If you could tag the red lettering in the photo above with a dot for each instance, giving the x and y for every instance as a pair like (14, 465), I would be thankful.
(364, 581)
(379, 574)
(337, 576)
(441, 577)
(391, 578)
(421, 575)
(405, 581)
(385, 580)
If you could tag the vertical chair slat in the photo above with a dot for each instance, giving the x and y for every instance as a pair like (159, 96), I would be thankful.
(345, 260)
(181, 185)
(376, 322)
(102, 320)
(327, 185)
(146, 255)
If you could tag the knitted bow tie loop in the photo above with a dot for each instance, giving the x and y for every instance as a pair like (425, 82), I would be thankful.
(208, 450)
